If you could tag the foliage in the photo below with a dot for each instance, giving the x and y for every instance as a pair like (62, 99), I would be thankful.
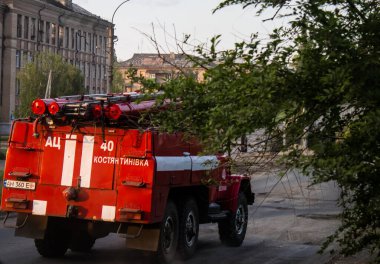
(318, 77)
(117, 82)
(66, 80)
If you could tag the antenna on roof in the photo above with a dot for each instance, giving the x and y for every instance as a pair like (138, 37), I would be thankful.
(48, 86)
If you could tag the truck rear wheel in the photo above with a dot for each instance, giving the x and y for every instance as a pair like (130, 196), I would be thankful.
(53, 245)
(232, 230)
(81, 241)
(188, 229)
(168, 241)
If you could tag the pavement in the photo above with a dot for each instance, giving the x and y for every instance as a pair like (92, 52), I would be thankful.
(292, 209)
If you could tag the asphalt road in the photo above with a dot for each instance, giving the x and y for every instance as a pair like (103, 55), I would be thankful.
(287, 225)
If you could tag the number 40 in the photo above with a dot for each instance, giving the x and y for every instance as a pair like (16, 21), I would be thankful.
(107, 146)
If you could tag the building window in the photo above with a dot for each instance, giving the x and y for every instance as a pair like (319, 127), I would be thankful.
(30, 57)
(26, 27)
(18, 59)
(67, 36)
(18, 87)
(99, 72)
(33, 29)
(19, 26)
(89, 42)
(78, 40)
(72, 38)
(95, 44)
(105, 45)
(24, 60)
(41, 31)
(47, 33)
(60, 36)
(53, 33)
(101, 44)
(84, 41)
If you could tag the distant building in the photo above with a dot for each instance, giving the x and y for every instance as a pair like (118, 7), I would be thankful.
(61, 27)
(159, 67)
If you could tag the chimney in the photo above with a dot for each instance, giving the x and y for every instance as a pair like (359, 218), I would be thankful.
(67, 3)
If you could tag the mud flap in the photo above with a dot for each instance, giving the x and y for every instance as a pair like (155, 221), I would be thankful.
(34, 226)
(147, 240)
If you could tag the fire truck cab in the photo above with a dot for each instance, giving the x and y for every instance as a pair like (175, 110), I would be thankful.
(81, 168)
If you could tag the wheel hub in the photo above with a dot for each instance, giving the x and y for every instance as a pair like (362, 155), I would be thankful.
(191, 229)
(168, 234)
(240, 220)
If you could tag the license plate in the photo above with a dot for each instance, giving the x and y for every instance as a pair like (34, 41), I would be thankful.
(20, 185)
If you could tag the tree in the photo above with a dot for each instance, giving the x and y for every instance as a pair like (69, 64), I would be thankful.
(318, 77)
(66, 80)
(118, 81)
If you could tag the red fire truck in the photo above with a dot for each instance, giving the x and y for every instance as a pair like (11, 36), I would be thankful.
(82, 167)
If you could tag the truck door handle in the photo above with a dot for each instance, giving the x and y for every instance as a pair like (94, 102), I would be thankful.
(133, 184)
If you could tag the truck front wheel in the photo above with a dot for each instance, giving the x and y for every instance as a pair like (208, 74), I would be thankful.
(168, 241)
(232, 230)
(188, 229)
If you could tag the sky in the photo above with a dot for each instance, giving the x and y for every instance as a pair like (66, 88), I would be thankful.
(170, 21)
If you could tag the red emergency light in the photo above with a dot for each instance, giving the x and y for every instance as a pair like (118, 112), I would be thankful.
(53, 108)
(97, 111)
(113, 111)
(38, 107)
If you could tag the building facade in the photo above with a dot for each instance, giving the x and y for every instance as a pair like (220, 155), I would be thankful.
(62, 27)
(157, 67)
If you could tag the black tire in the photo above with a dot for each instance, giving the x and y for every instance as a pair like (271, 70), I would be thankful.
(53, 245)
(188, 229)
(81, 241)
(168, 242)
(232, 230)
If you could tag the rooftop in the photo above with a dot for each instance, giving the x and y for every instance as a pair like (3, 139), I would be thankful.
(73, 7)
(146, 60)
